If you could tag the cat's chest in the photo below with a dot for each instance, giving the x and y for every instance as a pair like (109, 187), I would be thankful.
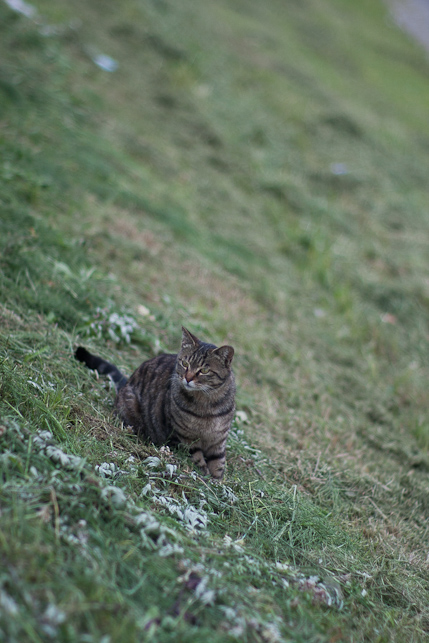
(196, 421)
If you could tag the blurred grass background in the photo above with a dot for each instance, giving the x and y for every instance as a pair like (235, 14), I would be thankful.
(258, 173)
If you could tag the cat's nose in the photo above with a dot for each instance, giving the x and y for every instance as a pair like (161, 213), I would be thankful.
(189, 376)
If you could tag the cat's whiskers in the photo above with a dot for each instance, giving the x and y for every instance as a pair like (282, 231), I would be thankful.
(205, 388)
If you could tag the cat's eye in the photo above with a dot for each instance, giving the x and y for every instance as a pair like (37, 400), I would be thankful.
(185, 363)
(205, 370)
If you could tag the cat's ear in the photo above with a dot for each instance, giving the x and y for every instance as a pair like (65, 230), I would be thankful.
(225, 353)
(188, 339)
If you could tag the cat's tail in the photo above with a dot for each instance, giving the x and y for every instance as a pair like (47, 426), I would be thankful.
(101, 366)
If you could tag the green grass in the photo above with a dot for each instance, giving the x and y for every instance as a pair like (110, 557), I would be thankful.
(201, 184)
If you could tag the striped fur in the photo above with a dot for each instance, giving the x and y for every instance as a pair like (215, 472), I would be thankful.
(188, 398)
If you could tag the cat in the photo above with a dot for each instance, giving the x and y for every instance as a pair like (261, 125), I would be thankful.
(188, 398)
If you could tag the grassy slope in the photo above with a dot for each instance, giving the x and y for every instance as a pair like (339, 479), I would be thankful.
(197, 180)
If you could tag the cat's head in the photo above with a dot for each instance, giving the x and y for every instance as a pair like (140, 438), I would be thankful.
(201, 366)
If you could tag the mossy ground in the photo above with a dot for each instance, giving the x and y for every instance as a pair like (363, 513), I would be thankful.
(257, 172)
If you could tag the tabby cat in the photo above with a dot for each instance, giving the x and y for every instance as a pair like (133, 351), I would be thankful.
(187, 398)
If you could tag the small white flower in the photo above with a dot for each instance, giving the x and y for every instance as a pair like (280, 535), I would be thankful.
(229, 494)
(152, 526)
(271, 633)
(169, 549)
(206, 596)
(283, 566)
(141, 518)
(22, 7)
(339, 169)
(109, 470)
(36, 386)
(115, 495)
(143, 311)
(8, 604)
(227, 540)
(51, 618)
(106, 469)
(42, 438)
(229, 612)
(171, 469)
(194, 519)
(153, 462)
(147, 489)
(237, 631)
(64, 459)
(236, 544)
(241, 417)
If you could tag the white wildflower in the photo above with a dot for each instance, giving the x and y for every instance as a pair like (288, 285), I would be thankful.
(170, 469)
(172, 505)
(109, 470)
(228, 493)
(167, 531)
(142, 518)
(36, 386)
(153, 462)
(22, 7)
(241, 417)
(312, 580)
(51, 619)
(107, 63)
(339, 169)
(8, 604)
(283, 566)
(168, 549)
(229, 612)
(236, 544)
(271, 633)
(64, 459)
(205, 595)
(238, 630)
(194, 519)
(131, 463)
(10, 458)
(43, 441)
(143, 311)
(114, 495)
(106, 469)
(152, 526)
(227, 540)
(42, 438)
(146, 489)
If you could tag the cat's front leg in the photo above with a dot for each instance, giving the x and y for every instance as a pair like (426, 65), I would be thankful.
(216, 464)
(198, 458)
